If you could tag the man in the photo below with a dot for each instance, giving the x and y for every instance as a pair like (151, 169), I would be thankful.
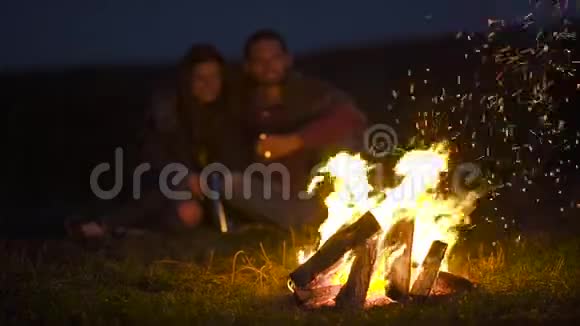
(291, 120)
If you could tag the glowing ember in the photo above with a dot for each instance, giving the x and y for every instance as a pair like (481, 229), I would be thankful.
(436, 218)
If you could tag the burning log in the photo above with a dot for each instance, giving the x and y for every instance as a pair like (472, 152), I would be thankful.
(447, 284)
(334, 248)
(429, 270)
(353, 294)
(314, 282)
(399, 276)
(316, 297)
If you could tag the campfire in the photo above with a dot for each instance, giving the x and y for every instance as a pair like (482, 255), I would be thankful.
(377, 247)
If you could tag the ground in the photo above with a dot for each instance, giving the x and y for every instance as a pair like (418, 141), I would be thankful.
(201, 277)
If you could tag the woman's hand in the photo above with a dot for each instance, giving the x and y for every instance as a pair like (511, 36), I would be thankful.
(190, 213)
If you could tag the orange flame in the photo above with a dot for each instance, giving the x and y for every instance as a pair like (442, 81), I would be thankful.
(415, 196)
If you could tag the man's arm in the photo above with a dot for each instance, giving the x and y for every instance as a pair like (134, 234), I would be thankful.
(338, 120)
(335, 123)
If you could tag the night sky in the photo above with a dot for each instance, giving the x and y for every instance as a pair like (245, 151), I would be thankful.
(73, 32)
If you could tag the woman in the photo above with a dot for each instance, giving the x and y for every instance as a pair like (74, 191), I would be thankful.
(180, 128)
(196, 109)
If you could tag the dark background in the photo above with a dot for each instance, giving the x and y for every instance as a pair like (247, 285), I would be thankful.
(67, 32)
(78, 77)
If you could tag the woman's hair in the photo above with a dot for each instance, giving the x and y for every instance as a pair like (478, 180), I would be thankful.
(197, 53)
(189, 114)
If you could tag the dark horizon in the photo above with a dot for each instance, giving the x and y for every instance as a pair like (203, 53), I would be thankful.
(73, 34)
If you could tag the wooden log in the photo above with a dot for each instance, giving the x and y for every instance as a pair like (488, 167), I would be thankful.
(399, 276)
(429, 270)
(448, 284)
(354, 293)
(316, 297)
(334, 248)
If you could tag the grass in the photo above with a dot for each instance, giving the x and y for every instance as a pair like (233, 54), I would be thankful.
(204, 278)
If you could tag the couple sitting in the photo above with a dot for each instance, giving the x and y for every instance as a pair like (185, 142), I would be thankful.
(266, 113)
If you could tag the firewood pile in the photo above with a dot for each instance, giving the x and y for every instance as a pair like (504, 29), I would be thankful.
(311, 287)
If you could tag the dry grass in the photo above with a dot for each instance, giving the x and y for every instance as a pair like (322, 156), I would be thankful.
(202, 278)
